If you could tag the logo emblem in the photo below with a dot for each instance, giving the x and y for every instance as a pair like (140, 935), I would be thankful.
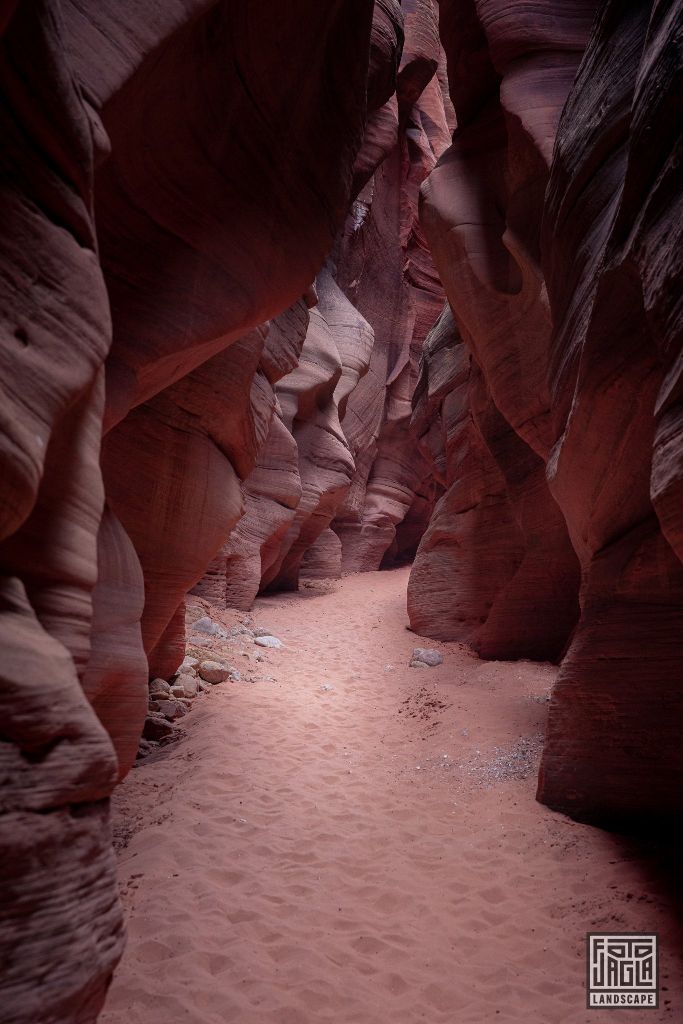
(623, 971)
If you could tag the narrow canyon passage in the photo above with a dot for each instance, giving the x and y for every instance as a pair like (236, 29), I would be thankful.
(291, 296)
(339, 837)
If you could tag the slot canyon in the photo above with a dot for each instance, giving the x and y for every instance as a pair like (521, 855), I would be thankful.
(341, 510)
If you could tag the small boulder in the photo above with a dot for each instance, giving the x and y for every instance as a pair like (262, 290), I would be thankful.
(177, 691)
(425, 657)
(241, 631)
(213, 672)
(261, 631)
(146, 747)
(207, 625)
(189, 664)
(156, 728)
(188, 683)
(268, 641)
(159, 687)
(172, 709)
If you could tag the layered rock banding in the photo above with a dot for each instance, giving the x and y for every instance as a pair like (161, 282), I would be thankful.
(176, 394)
(612, 257)
(216, 200)
(385, 268)
(509, 75)
(346, 404)
(555, 389)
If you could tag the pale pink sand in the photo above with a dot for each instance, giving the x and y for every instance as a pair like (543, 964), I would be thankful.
(361, 854)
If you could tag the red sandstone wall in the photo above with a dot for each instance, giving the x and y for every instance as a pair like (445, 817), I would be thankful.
(164, 211)
(549, 407)
(612, 260)
(216, 199)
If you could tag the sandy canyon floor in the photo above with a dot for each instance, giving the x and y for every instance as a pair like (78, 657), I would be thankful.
(339, 837)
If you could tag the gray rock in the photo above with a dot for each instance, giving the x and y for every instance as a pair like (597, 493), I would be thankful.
(213, 672)
(268, 641)
(425, 657)
(207, 625)
(235, 675)
(262, 631)
(326, 688)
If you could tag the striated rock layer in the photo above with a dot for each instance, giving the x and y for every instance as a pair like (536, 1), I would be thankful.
(509, 74)
(213, 301)
(385, 268)
(61, 929)
(216, 198)
(549, 405)
(612, 256)
(332, 494)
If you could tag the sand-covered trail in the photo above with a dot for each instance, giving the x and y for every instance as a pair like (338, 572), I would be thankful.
(353, 840)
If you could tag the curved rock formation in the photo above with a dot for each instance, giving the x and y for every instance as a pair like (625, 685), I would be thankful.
(360, 473)
(612, 254)
(509, 75)
(567, 308)
(173, 178)
(216, 198)
(62, 927)
(313, 397)
(385, 268)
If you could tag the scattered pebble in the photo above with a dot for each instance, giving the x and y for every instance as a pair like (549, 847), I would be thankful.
(189, 684)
